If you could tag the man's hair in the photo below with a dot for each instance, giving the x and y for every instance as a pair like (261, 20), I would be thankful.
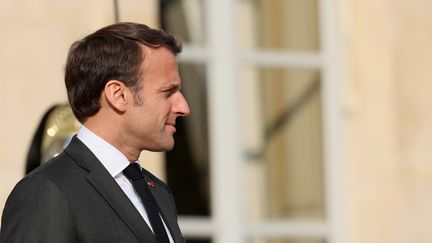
(111, 53)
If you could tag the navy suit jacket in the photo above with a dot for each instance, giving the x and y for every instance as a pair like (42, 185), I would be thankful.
(73, 198)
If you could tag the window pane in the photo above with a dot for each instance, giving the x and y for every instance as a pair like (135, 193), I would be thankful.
(282, 114)
(281, 24)
(188, 163)
(184, 19)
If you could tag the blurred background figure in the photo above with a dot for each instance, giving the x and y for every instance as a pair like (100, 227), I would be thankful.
(311, 119)
(52, 135)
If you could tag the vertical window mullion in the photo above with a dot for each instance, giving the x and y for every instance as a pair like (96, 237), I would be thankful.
(331, 119)
(225, 148)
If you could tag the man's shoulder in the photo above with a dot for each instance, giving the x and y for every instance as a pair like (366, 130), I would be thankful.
(45, 181)
(58, 175)
(60, 169)
(55, 166)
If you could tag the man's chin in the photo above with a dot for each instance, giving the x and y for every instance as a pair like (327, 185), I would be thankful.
(161, 148)
(169, 148)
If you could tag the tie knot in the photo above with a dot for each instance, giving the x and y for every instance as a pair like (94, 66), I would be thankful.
(133, 172)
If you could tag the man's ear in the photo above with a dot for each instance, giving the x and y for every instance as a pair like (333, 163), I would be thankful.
(115, 95)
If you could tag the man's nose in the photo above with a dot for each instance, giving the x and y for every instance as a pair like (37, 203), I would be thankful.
(181, 106)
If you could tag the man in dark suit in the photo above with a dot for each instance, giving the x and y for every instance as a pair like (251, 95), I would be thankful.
(124, 87)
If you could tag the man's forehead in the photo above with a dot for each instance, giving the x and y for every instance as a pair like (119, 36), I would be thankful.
(149, 51)
(157, 56)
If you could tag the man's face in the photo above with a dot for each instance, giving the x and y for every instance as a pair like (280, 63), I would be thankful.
(150, 122)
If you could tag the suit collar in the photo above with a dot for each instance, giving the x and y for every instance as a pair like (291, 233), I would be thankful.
(110, 157)
(81, 154)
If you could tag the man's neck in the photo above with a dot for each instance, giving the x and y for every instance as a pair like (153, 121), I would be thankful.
(113, 136)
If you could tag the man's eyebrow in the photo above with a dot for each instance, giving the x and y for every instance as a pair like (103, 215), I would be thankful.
(172, 87)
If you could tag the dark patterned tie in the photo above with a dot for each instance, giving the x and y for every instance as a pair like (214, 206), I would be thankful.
(134, 173)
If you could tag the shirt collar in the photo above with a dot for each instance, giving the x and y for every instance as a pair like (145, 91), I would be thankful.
(110, 157)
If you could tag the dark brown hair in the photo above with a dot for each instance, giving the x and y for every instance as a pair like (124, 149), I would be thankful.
(111, 53)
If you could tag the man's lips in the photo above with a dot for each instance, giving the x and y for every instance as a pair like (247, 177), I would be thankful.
(171, 124)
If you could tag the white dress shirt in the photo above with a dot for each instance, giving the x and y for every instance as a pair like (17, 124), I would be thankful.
(115, 162)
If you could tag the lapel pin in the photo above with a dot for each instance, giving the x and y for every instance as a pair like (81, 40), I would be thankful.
(150, 183)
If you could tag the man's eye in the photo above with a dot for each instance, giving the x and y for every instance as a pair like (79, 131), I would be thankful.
(170, 92)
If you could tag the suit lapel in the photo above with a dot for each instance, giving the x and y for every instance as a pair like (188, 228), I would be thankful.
(166, 210)
(102, 181)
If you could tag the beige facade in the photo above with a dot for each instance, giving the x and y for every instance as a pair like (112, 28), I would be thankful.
(387, 120)
(386, 59)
